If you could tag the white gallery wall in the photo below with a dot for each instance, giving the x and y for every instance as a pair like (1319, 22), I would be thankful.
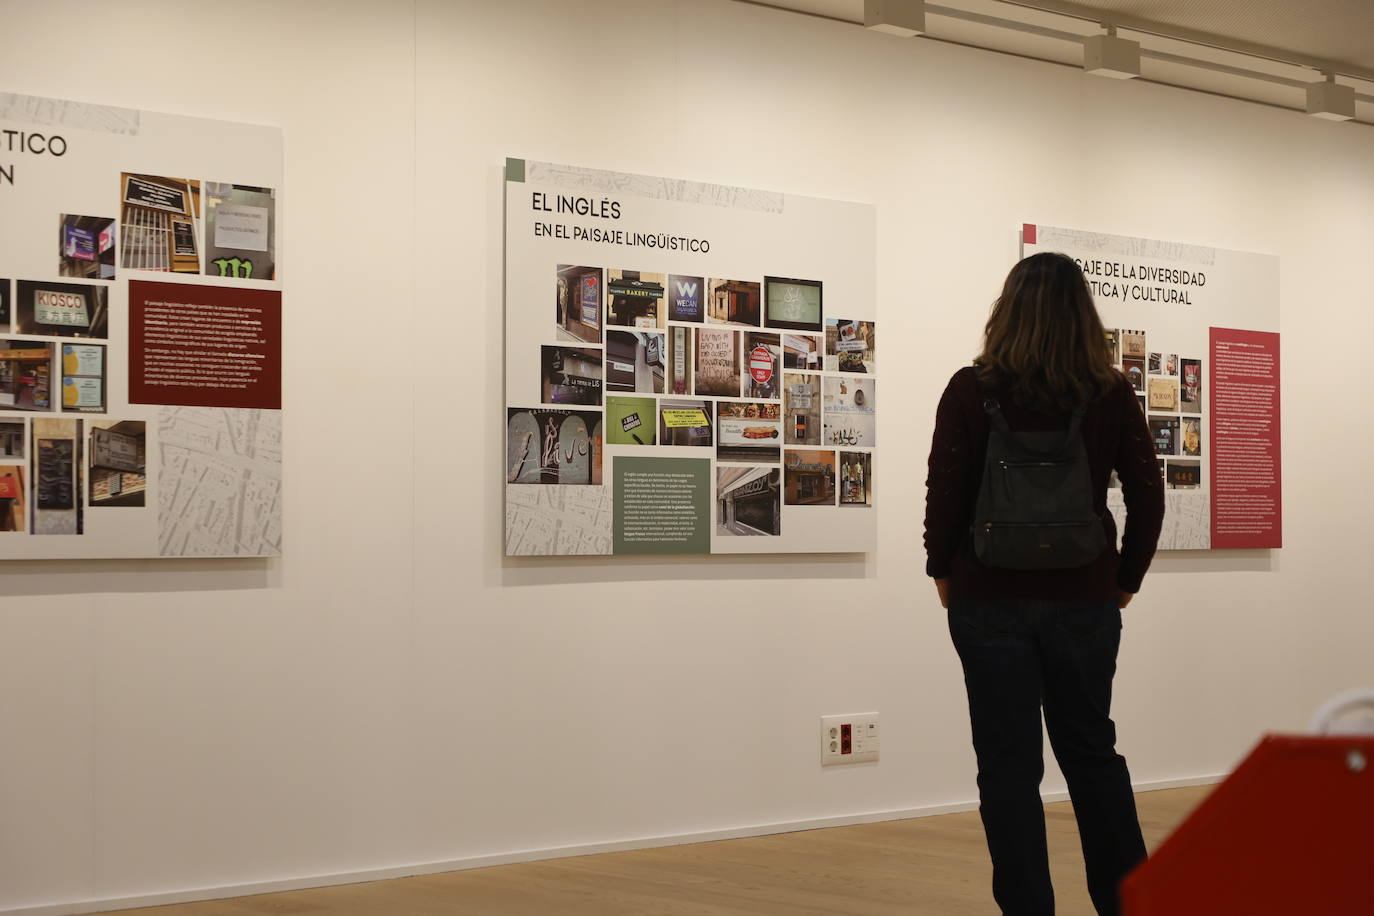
(392, 694)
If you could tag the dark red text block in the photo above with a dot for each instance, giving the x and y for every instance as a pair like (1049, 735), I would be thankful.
(204, 346)
(1247, 483)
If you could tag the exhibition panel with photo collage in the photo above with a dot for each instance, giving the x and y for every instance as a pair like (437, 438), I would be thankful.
(140, 334)
(690, 368)
(1195, 330)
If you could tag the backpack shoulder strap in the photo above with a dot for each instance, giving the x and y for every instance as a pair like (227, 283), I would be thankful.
(991, 406)
(1075, 424)
(993, 409)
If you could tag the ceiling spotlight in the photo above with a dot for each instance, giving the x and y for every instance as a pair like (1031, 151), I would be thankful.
(1330, 100)
(906, 18)
(1107, 55)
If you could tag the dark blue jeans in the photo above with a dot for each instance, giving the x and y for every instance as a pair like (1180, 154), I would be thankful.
(1019, 656)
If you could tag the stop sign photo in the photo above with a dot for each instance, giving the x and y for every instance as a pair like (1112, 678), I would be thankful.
(761, 365)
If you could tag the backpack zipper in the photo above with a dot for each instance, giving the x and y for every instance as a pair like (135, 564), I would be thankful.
(1008, 465)
(988, 526)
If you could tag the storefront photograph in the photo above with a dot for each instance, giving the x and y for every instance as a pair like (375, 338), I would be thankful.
(856, 479)
(160, 224)
(801, 351)
(87, 246)
(11, 499)
(553, 446)
(801, 408)
(12, 439)
(1114, 344)
(1183, 475)
(26, 375)
(1134, 369)
(1158, 363)
(61, 309)
(1164, 430)
(55, 466)
(570, 375)
(118, 463)
(809, 477)
(733, 302)
(636, 299)
(634, 361)
(579, 302)
(748, 502)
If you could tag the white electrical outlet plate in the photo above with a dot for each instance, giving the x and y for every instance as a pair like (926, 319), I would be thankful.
(849, 739)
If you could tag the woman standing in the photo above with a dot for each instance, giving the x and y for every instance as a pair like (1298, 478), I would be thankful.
(1047, 638)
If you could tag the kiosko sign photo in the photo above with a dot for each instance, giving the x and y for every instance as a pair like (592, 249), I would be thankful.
(61, 308)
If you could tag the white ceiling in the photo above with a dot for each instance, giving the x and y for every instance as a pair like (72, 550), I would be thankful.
(1260, 50)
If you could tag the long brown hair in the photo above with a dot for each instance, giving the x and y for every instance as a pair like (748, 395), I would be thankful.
(1044, 342)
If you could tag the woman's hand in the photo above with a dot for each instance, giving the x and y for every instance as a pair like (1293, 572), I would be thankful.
(942, 587)
(1125, 599)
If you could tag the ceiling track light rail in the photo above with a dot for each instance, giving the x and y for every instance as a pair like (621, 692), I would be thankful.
(1071, 10)
(1110, 55)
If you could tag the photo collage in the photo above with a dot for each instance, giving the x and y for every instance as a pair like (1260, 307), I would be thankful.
(64, 449)
(1172, 310)
(751, 372)
(1169, 389)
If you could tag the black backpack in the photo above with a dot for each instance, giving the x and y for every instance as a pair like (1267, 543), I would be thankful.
(1035, 504)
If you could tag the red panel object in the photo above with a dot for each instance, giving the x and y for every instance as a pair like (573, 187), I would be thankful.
(1028, 233)
(1289, 833)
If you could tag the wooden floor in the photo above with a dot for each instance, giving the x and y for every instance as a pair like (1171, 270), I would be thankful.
(931, 866)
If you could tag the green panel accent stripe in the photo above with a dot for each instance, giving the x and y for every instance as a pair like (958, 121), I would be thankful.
(515, 170)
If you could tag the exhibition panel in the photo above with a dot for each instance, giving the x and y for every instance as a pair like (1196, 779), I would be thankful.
(1195, 330)
(142, 417)
(648, 410)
